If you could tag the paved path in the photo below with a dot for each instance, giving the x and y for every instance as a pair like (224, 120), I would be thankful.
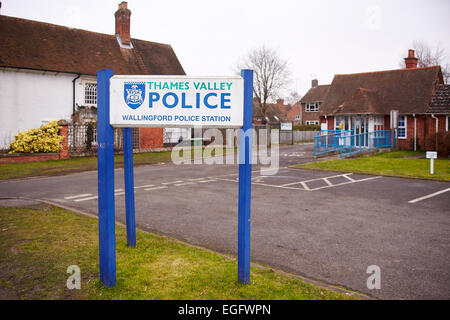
(328, 226)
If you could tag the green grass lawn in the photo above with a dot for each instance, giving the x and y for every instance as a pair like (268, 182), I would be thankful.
(397, 163)
(61, 167)
(38, 243)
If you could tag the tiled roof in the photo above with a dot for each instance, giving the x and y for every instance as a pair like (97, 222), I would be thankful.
(441, 100)
(42, 46)
(407, 90)
(316, 94)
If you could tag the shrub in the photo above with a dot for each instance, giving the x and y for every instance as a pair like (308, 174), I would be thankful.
(44, 139)
(307, 127)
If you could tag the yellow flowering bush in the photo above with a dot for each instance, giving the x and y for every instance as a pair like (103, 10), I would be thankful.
(44, 139)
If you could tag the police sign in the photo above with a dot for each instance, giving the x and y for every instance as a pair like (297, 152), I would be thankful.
(176, 101)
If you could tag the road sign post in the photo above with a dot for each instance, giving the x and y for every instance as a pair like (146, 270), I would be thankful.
(129, 186)
(106, 219)
(168, 101)
(431, 155)
(245, 176)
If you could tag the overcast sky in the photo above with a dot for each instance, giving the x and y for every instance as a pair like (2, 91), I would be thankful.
(319, 38)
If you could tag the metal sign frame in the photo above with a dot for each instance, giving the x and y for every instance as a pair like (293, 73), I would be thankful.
(106, 202)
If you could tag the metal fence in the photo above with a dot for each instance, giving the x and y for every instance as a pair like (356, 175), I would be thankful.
(83, 138)
(347, 143)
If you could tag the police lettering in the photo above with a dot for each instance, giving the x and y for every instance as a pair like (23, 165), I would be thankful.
(210, 100)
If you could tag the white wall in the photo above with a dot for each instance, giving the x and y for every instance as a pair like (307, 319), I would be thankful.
(27, 98)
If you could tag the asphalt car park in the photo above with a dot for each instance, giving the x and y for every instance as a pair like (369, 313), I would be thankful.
(328, 226)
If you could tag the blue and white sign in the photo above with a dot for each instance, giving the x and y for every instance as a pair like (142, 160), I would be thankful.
(176, 101)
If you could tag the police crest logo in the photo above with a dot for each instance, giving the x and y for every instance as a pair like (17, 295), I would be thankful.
(134, 94)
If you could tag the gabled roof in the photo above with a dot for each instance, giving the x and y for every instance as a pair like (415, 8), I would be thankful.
(316, 94)
(42, 46)
(441, 100)
(407, 90)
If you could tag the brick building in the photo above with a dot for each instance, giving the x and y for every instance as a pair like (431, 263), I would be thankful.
(48, 72)
(362, 103)
(306, 111)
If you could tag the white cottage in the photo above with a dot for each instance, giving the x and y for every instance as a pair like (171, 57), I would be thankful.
(47, 72)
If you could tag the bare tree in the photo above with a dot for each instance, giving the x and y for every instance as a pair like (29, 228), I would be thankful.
(293, 97)
(271, 75)
(429, 56)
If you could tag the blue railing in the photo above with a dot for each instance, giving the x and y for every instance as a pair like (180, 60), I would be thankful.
(329, 141)
(347, 143)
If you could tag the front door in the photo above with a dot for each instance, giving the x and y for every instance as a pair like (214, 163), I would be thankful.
(360, 128)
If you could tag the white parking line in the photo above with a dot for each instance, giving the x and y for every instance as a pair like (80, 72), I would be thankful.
(156, 188)
(429, 196)
(183, 184)
(172, 182)
(86, 199)
(346, 176)
(305, 186)
(316, 179)
(343, 183)
(78, 196)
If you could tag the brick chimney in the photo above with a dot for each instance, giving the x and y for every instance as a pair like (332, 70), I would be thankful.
(411, 60)
(123, 23)
(314, 83)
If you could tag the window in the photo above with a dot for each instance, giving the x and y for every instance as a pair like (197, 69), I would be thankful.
(312, 122)
(312, 107)
(297, 117)
(90, 94)
(378, 123)
(337, 123)
(401, 131)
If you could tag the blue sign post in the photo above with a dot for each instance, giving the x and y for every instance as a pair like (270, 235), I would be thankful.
(245, 176)
(134, 97)
(129, 185)
(106, 219)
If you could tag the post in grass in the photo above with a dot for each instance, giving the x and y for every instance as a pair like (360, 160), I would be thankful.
(245, 176)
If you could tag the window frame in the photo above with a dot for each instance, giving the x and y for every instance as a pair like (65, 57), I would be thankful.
(314, 122)
(310, 104)
(405, 126)
(85, 100)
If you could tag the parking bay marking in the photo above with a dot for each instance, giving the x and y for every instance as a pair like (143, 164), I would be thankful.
(304, 185)
(429, 196)
(78, 196)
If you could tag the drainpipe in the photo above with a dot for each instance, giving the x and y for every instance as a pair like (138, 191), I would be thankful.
(437, 127)
(73, 90)
(415, 132)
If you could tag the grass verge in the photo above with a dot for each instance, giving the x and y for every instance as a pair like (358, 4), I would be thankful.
(61, 167)
(38, 243)
(398, 163)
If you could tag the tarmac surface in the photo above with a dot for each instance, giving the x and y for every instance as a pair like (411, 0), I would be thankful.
(327, 226)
